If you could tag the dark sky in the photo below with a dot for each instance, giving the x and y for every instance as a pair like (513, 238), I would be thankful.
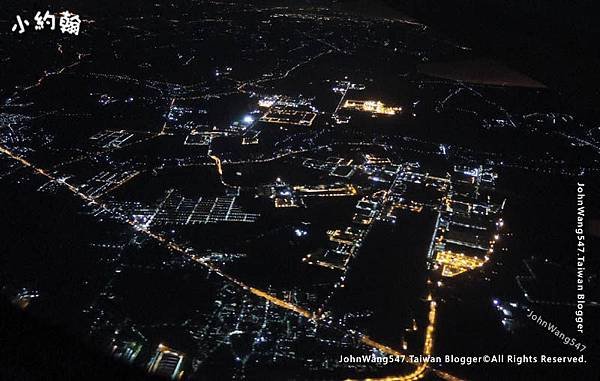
(554, 41)
(549, 40)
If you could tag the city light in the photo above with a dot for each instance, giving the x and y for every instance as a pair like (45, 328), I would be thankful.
(375, 107)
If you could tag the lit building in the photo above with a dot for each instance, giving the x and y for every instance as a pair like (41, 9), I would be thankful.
(166, 362)
(375, 107)
(457, 263)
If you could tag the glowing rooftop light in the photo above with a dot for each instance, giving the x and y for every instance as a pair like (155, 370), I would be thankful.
(248, 119)
(300, 232)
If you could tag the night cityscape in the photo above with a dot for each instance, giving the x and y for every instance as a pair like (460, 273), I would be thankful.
(289, 190)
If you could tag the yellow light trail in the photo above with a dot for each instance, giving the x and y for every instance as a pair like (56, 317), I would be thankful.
(383, 348)
(217, 164)
(416, 374)
(421, 367)
(162, 240)
(282, 303)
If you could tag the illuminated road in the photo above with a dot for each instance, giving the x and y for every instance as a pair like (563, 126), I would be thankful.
(119, 183)
(421, 367)
(162, 130)
(218, 165)
(162, 240)
(283, 304)
(428, 347)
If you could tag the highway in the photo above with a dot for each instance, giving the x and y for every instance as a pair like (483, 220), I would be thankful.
(173, 246)
(421, 367)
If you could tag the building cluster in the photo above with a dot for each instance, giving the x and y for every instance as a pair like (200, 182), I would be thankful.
(176, 209)
(287, 110)
(468, 222)
(371, 106)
